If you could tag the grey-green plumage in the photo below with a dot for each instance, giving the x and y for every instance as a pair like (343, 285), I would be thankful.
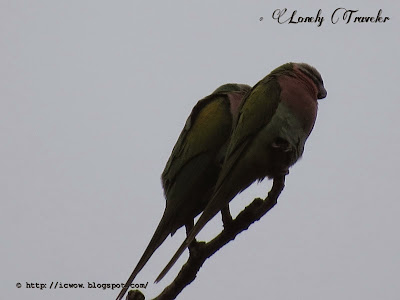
(275, 119)
(192, 170)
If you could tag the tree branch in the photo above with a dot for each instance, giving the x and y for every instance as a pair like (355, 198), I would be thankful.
(201, 250)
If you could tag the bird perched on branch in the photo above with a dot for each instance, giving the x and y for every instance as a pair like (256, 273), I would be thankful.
(192, 170)
(274, 122)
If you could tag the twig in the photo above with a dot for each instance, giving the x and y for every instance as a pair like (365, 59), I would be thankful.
(198, 254)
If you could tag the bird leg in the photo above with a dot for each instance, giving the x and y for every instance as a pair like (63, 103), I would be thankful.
(193, 244)
(277, 186)
(226, 216)
(189, 226)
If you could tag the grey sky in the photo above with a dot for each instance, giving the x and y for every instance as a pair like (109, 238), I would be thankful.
(93, 97)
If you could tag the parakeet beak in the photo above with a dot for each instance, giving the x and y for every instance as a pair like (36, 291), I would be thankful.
(322, 93)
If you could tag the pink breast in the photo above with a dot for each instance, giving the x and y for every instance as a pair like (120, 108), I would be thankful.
(300, 95)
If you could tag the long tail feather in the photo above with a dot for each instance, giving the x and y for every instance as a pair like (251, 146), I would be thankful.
(211, 210)
(192, 234)
(158, 238)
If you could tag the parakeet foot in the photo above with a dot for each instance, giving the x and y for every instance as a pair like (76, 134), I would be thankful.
(281, 145)
(226, 216)
(278, 185)
(195, 246)
(189, 227)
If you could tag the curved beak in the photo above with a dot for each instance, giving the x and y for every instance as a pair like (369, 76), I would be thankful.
(322, 93)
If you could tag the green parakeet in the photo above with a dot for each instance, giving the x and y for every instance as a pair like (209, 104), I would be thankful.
(192, 170)
(274, 122)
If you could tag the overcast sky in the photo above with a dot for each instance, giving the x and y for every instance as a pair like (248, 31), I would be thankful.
(93, 96)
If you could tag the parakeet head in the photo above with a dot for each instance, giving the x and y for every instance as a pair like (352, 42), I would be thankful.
(233, 87)
(315, 76)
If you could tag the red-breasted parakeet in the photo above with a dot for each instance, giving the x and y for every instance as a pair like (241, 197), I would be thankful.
(192, 170)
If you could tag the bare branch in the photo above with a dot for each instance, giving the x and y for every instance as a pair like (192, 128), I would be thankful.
(200, 251)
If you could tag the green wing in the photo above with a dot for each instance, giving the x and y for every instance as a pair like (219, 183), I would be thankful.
(256, 112)
(206, 130)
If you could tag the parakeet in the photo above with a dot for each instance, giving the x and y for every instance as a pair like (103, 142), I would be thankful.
(274, 122)
(192, 170)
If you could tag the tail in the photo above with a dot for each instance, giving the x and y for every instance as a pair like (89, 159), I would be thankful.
(211, 210)
(192, 234)
(159, 236)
